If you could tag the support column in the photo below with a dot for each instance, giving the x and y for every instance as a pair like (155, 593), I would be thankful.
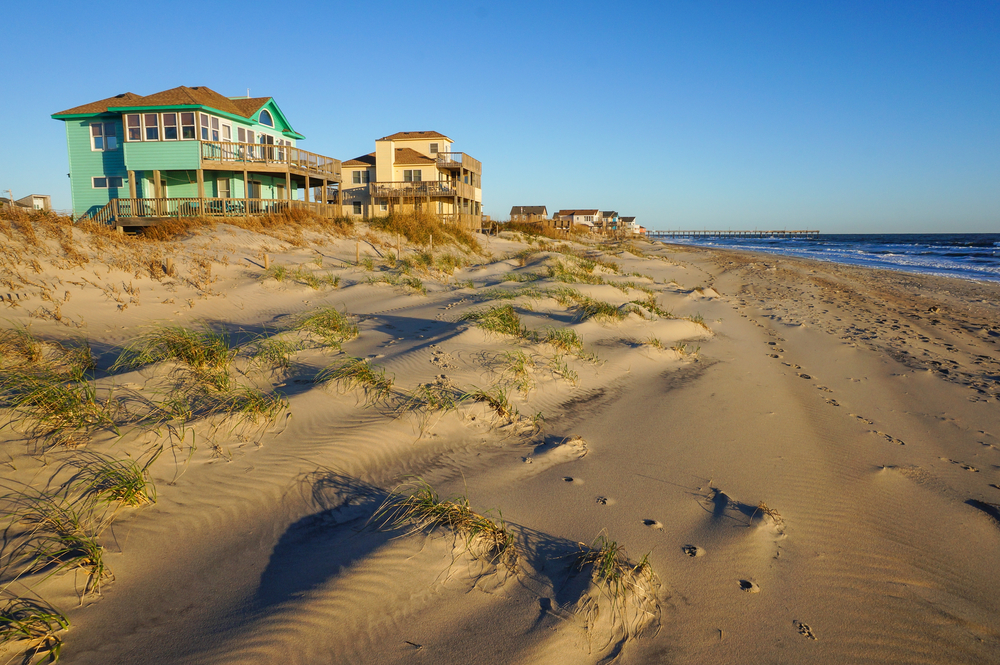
(131, 184)
(306, 196)
(246, 193)
(157, 194)
(201, 183)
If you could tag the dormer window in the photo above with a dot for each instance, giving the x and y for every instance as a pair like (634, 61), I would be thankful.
(434, 148)
(265, 118)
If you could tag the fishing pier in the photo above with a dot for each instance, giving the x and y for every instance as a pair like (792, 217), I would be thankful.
(733, 234)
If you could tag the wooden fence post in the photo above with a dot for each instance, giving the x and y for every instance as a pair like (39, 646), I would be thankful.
(267, 261)
(170, 266)
(398, 255)
(432, 242)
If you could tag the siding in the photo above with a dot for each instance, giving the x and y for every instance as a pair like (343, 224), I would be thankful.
(85, 163)
(162, 155)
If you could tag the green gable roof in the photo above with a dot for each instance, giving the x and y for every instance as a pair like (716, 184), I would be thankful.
(183, 97)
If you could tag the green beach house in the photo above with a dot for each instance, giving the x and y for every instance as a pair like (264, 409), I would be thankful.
(135, 160)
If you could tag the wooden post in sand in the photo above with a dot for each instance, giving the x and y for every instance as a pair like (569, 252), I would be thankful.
(170, 266)
(398, 255)
(357, 252)
(267, 261)
(432, 242)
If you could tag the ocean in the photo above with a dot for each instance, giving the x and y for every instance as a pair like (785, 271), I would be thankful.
(974, 256)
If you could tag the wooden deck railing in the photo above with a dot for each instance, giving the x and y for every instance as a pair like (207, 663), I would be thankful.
(459, 159)
(120, 211)
(278, 155)
(428, 188)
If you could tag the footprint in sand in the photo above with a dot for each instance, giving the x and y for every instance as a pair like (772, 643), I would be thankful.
(653, 524)
(571, 479)
(773, 355)
(832, 402)
(967, 467)
(804, 630)
(890, 438)
(803, 376)
(604, 501)
(863, 419)
(749, 587)
(693, 550)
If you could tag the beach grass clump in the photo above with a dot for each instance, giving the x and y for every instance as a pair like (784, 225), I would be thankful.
(631, 588)
(422, 228)
(395, 279)
(700, 320)
(110, 480)
(560, 367)
(450, 262)
(599, 310)
(565, 339)
(56, 536)
(517, 368)
(522, 277)
(430, 397)
(207, 353)
(329, 324)
(498, 399)
(240, 402)
(572, 274)
(499, 320)
(654, 342)
(37, 625)
(267, 350)
(359, 373)
(418, 506)
(19, 344)
(61, 412)
(682, 349)
(278, 272)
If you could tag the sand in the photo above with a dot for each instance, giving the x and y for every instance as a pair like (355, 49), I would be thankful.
(858, 406)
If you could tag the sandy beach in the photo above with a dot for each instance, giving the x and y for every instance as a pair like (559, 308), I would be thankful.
(799, 460)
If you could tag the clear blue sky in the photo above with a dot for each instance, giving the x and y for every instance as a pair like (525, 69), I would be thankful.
(843, 116)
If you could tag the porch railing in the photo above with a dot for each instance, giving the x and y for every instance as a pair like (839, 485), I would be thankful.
(428, 188)
(120, 210)
(459, 159)
(277, 155)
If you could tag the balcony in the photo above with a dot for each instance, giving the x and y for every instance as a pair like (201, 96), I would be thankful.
(148, 212)
(269, 158)
(459, 160)
(421, 189)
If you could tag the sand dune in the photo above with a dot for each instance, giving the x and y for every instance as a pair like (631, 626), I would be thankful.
(808, 454)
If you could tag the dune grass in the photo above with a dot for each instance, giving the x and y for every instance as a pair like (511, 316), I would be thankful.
(517, 369)
(419, 227)
(267, 350)
(110, 480)
(624, 583)
(330, 325)
(649, 304)
(208, 354)
(359, 373)
(498, 398)
(61, 411)
(56, 536)
(394, 279)
(36, 624)
(417, 505)
(560, 367)
(564, 339)
(499, 320)
(19, 343)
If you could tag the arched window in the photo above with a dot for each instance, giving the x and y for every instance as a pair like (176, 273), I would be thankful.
(265, 118)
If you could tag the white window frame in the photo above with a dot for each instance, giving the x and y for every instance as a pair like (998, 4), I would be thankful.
(227, 128)
(176, 125)
(107, 182)
(146, 127)
(357, 207)
(204, 126)
(356, 177)
(224, 188)
(260, 117)
(216, 127)
(434, 148)
(193, 126)
(127, 127)
(104, 136)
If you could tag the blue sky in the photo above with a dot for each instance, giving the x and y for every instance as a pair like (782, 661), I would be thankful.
(842, 116)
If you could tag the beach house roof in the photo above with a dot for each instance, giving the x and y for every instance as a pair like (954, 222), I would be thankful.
(578, 212)
(363, 160)
(529, 210)
(411, 156)
(413, 135)
(181, 96)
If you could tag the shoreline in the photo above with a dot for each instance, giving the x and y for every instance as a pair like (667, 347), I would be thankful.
(805, 450)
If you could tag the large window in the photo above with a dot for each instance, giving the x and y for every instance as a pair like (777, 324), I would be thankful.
(169, 126)
(360, 177)
(187, 126)
(412, 175)
(133, 127)
(204, 126)
(222, 184)
(151, 126)
(108, 182)
(265, 118)
(103, 136)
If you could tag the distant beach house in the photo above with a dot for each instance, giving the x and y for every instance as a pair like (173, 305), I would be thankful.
(629, 226)
(585, 218)
(415, 171)
(135, 160)
(29, 202)
(528, 213)
(608, 224)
